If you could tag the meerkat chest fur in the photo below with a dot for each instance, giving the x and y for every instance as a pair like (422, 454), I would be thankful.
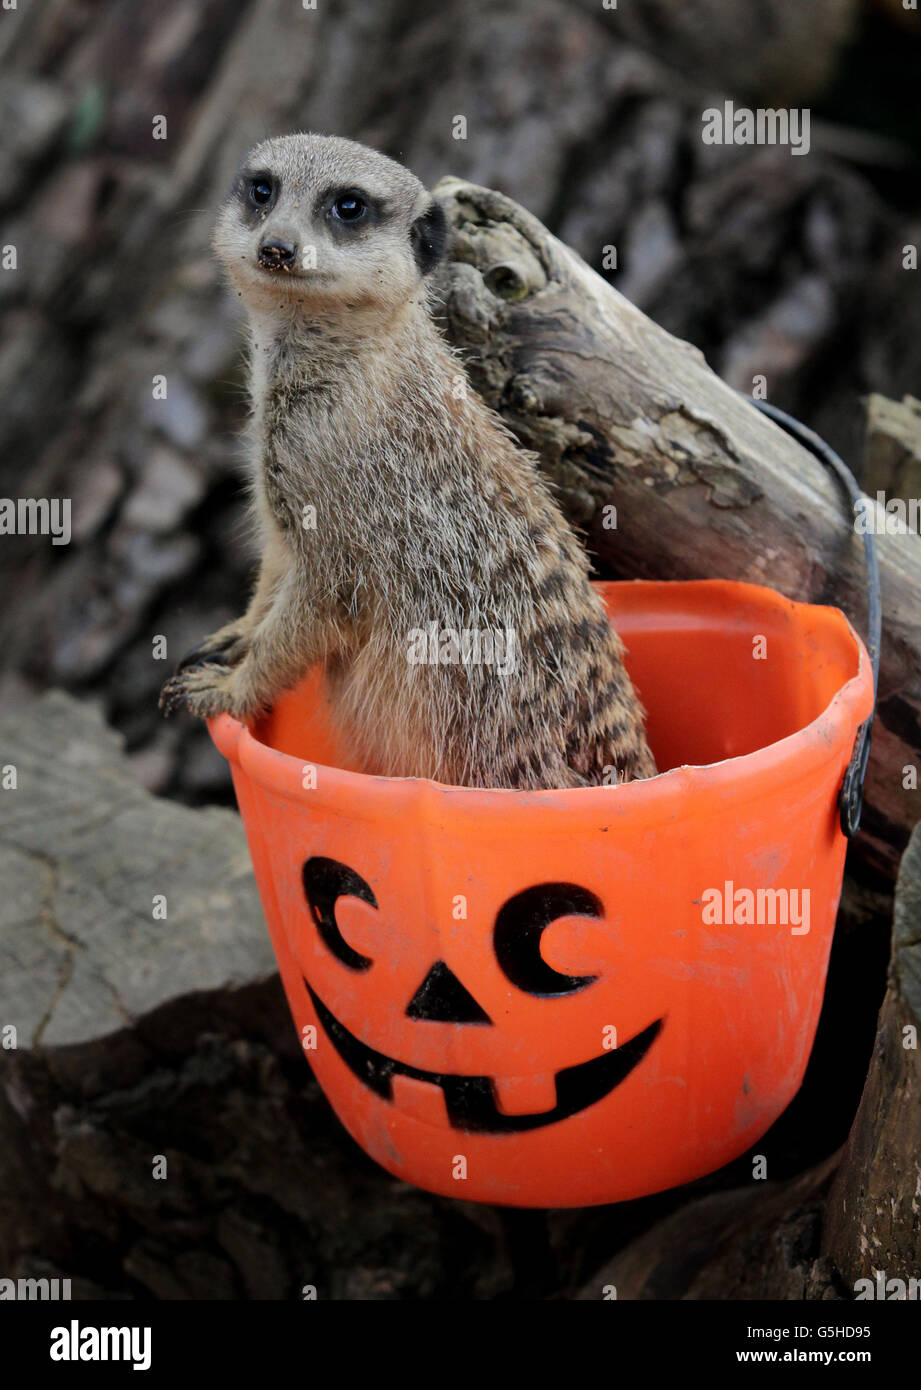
(463, 639)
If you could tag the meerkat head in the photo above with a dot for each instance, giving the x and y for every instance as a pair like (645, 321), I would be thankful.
(319, 226)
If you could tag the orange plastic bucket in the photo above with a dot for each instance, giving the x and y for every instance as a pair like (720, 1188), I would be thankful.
(560, 998)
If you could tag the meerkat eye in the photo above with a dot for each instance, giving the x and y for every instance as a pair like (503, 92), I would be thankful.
(349, 207)
(260, 192)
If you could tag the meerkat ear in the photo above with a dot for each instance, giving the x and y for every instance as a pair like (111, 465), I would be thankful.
(427, 236)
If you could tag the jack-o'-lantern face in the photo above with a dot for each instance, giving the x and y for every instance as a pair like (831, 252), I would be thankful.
(519, 998)
(441, 998)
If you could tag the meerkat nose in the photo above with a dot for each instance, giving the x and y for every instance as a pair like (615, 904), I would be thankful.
(276, 254)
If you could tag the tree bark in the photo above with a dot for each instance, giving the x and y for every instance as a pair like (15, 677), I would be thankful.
(873, 1218)
(892, 461)
(621, 413)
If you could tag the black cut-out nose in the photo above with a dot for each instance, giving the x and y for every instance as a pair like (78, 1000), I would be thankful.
(441, 998)
(277, 253)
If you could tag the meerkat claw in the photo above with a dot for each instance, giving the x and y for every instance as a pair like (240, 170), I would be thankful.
(198, 688)
(206, 651)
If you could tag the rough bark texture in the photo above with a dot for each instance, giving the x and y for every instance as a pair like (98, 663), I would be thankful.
(893, 449)
(749, 1243)
(797, 49)
(872, 1218)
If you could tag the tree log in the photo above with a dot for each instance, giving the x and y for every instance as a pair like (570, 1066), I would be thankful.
(873, 1219)
(892, 461)
(754, 1242)
(786, 55)
(620, 412)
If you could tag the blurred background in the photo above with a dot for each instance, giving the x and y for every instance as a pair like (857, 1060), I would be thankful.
(790, 267)
(591, 117)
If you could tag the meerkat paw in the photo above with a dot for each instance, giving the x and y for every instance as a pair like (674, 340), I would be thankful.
(226, 647)
(210, 689)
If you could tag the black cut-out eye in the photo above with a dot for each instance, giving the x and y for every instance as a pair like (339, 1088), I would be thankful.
(260, 192)
(349, 207)
(325, 880)
(522, 922)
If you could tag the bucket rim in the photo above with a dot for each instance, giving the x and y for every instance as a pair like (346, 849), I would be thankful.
(827, 737)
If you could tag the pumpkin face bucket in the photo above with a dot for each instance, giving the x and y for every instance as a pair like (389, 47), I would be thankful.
(562, 998)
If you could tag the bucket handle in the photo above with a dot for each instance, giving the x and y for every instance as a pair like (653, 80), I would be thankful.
(850, 798)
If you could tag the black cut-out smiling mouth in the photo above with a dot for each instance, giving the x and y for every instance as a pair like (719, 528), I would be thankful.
(470, 1100)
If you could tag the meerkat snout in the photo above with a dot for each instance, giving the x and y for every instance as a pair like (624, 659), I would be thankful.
(277, 255)
(322, 224)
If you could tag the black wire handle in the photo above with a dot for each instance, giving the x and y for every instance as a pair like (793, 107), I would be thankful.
(850, 798)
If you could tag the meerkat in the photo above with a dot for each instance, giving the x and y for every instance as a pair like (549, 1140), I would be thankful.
(398, 514)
